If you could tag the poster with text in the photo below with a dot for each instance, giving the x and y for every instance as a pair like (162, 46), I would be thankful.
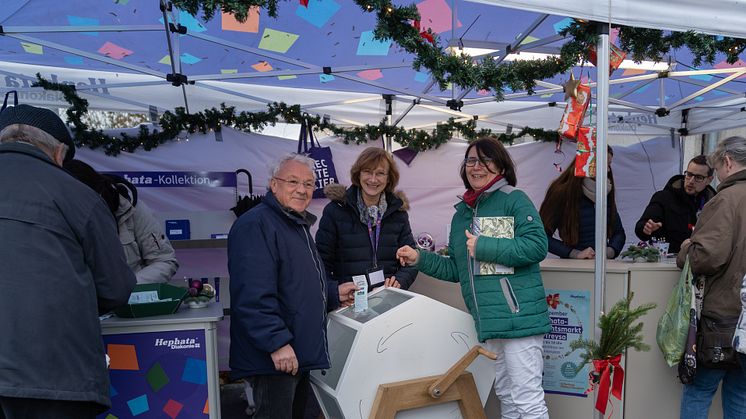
(569, 312)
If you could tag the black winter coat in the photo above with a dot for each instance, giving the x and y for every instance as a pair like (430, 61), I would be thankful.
(677, 210)
(344, 243)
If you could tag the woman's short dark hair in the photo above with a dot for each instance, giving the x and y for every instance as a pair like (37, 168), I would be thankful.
(371, 158)
(490, 148)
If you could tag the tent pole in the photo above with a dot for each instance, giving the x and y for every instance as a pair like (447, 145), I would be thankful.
(389, 99)
(602, 122)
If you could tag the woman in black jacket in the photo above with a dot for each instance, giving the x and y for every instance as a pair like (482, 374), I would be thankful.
(363, 226)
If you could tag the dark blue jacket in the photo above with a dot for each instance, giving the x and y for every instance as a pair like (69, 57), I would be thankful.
(344, 242)
(61, 265)
(279, 292)
(587, 232)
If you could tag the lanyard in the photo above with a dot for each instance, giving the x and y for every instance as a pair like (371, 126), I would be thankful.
(374, 244)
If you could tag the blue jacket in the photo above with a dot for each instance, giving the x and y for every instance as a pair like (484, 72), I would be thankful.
(587, 232)
(279, 291)
(61, 265)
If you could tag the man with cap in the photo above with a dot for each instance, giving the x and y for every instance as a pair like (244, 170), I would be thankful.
(61, 267)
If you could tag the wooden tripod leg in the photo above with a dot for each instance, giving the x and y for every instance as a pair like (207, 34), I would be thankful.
(470, 404)
(411, 394)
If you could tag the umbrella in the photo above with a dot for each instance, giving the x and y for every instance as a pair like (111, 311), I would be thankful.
(247, 202)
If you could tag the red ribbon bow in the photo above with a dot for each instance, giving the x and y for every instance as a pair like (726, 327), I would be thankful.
(424, 34)
(605, 367)
(304, 3)
(553, 300)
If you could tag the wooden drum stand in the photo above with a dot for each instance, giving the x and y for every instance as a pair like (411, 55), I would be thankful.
(455, 385)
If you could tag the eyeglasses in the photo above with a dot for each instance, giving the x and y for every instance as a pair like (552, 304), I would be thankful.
(697, 178)
(295, 183)
(472, 161)
(370, 173)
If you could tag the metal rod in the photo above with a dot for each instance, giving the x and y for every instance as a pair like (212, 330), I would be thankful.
(95, 57)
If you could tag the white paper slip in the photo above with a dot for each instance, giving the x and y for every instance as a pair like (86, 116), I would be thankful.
(361, 295)
(376, 278)
(143, 297)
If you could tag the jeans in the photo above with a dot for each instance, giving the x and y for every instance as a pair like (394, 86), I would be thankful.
(695, 403)
(280, 396)
(518, 376)
(20, 408)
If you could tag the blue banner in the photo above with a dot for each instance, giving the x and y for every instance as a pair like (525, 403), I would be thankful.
(178, 179)
(569, 311)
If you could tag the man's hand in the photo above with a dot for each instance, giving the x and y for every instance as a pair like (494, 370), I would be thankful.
(587, 253)
(285, 360)
(471, 243)
(347, 293)
(407, 256)
(651, 227)
(392, 282)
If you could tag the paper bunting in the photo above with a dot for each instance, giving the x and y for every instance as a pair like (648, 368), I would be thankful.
(229, 23)
(370, 74)
(369, 46)
(32, 48)
(114, 51)
(277, 41)
(262, 66)
(437, 14)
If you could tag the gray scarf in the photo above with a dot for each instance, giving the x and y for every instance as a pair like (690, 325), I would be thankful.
(370, 213)
(589, 188)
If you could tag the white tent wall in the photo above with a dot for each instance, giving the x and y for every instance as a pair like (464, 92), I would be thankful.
(432, 182)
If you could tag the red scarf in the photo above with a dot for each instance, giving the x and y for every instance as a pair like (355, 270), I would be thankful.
(471, 195)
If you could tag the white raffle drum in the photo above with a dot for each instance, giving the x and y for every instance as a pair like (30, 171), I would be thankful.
(401, 336)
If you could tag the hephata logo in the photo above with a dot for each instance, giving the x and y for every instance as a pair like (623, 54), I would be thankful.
(188, 343)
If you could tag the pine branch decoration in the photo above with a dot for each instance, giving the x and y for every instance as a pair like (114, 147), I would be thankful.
(618, 332)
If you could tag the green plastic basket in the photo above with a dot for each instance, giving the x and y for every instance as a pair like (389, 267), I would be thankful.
(154, 309)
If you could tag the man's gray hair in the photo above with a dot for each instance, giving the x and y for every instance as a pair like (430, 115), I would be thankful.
(300, 158)
(733, 147)
(32, 135)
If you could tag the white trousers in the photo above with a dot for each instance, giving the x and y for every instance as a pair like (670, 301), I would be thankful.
(518, 377)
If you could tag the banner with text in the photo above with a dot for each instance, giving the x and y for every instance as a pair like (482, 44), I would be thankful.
(178, 179)
(569, 312)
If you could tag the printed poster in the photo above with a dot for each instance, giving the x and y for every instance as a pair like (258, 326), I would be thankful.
(569, 312)
(158, 375)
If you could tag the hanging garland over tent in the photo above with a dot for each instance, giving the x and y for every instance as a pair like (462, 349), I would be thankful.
(402, 24)
(173, 123)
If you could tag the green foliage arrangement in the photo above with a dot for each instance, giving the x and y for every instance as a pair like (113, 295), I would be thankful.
(618, 332)
(649, 253)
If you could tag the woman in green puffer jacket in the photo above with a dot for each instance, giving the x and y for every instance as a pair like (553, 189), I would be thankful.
(496, 243)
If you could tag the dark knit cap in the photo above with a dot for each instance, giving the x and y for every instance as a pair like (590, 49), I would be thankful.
(40, 118)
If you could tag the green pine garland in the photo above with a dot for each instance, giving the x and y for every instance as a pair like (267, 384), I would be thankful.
(173, 123)
(396, 23)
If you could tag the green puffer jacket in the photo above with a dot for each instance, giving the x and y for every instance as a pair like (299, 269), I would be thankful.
(503, 306)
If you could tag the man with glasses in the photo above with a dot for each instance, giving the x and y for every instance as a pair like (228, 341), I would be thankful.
(672, 212)
(280, 294)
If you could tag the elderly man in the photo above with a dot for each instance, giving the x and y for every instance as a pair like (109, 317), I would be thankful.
(673, 211)
(62, 265)
(280, 294)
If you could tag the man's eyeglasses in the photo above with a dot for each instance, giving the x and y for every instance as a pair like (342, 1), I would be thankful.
(472, 161)
(697, 178)
(295, 183)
